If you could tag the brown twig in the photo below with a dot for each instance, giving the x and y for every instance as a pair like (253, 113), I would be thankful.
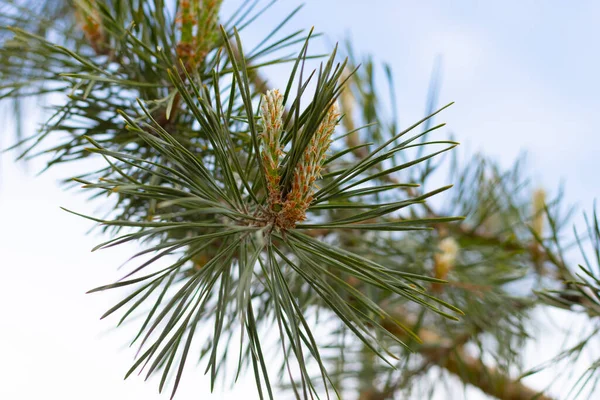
(451, 356)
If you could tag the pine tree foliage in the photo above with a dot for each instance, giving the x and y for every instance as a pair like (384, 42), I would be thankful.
(293, 223)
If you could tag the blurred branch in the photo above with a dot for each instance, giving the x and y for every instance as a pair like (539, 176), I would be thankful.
(450, 355)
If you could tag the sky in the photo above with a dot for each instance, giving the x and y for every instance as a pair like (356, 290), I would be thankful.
(523, 75)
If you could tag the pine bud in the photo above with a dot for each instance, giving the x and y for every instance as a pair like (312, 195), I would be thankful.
(537, 225)
(272, 118)
(308, 171)
(198, 24)
(347, 103)
(88, 16)
(539, 203)
(445, 260)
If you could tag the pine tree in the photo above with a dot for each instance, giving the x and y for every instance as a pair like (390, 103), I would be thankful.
(299, 211)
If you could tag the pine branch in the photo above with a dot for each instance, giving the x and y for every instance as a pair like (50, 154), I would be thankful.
(489, 380)
(267, 225)
(450, 355)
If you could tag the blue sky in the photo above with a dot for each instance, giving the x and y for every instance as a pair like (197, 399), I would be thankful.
(524, 75)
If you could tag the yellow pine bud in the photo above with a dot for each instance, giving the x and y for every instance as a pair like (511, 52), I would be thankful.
(445, 260)
(347, 106)
(539, 202)
(537, 225)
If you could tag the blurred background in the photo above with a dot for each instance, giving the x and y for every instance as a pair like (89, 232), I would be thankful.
(523, 74)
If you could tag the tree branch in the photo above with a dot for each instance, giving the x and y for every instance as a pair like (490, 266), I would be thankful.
(451, 356)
